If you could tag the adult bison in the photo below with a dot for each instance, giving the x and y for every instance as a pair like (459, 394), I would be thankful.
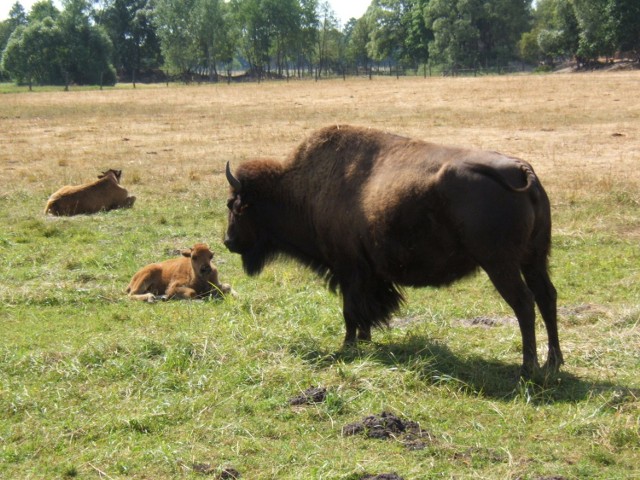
(372, 212)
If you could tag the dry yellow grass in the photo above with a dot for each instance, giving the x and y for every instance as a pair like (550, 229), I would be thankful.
(575, 129)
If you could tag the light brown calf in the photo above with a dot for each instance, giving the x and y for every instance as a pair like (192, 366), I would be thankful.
(103, 194)
(190, 276)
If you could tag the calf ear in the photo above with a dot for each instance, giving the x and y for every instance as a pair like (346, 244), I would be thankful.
(186, 253)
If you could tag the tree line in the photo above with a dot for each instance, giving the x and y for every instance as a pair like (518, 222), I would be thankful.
(102, 41)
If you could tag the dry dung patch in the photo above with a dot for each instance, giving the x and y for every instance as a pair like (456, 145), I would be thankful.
(382, 476)
(386, 426)
(218, 473)
(310, 396)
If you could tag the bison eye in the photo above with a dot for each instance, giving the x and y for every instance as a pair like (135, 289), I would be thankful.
(230, 203)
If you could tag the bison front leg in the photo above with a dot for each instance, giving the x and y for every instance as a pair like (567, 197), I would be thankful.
(356, 329)
(367, 303)
(354, 332)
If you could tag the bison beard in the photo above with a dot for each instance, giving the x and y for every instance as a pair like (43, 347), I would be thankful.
(371, 212)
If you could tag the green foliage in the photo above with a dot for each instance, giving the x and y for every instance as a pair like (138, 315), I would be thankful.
(174, 21)
(587, 29)
(136, 47)
(59, 51)
(455, 31)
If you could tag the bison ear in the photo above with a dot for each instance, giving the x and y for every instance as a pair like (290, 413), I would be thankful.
(238, 206)
(186, 253)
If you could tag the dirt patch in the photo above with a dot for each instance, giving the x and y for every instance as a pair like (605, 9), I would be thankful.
(488, 322)
(583, 311)
(382, 476)
(310, 396)
(386, 426)
(554, 477)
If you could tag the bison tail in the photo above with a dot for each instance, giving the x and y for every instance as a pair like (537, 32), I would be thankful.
(495, 174)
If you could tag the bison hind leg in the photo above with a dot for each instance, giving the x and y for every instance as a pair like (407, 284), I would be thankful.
(511, 286)
(537, 278)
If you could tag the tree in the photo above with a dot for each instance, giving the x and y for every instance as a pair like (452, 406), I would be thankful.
(456, 36)
(418, 34)
(328, 38)
(135, 43)
(43, 9)
(85, 53)
(357, 40)
(389, 20)
(500, 26)
(596, 36)
(214, 34)
(255, 34)
(17, 17)
(624, 22)
(178, 39)
(32, 54)
(308, 34)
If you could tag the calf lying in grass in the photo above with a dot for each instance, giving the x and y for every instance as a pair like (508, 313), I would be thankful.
(103, 194)
(190, 276)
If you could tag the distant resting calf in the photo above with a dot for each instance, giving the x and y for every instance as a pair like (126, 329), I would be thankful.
(190, 276)
(103, 194)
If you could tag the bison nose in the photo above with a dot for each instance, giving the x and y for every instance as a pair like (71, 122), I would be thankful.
(205, 269)
(229, 243)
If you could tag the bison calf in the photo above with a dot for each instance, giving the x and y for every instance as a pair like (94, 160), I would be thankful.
(372, 212)
(103, 194)
(190, 276)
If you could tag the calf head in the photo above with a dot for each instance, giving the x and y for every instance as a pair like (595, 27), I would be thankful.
(116, 174)
(201, 257)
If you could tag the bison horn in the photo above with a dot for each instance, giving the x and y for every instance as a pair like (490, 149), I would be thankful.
(233, 181)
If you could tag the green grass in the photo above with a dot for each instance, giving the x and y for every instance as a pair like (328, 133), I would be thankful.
(95, 385)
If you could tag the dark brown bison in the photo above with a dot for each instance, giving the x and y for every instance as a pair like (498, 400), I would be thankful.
(373, 212)
(103, 194)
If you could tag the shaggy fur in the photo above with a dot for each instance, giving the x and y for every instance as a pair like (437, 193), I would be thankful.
(372, 212)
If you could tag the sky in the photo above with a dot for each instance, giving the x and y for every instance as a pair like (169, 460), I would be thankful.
(344, 9)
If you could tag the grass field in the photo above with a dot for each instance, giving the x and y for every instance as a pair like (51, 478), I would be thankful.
(93, 385)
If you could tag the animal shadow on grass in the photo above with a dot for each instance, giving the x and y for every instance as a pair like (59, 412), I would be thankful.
(436, 364)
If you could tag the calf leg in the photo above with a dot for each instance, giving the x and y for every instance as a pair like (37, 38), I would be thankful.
(538, 281)
(181, 291)
(510, 285)
(143, 297)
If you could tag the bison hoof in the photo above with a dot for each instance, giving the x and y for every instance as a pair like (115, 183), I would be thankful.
(543, 376)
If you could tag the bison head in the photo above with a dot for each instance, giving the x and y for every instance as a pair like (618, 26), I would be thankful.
(244, 233)
(201, 257)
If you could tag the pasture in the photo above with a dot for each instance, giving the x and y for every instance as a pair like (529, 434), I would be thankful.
(94, 385)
